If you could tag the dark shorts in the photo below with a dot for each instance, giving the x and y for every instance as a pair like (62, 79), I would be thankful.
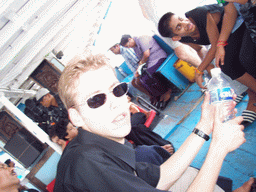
(155, 86)
(239, 57)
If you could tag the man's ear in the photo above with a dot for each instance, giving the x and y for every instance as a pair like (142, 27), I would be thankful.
(176, 38)
(75, 117)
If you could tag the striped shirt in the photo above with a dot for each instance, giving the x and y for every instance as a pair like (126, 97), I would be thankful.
(130, 58)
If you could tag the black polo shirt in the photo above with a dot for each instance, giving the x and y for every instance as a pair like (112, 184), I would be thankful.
(94, 163)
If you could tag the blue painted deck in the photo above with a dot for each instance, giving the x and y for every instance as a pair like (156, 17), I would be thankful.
(239, 165)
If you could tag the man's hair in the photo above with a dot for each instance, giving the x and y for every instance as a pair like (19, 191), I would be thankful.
(7, 162)
(125, 39)
(61, 129)
(52, 132)
(164, 25)
(69, 79)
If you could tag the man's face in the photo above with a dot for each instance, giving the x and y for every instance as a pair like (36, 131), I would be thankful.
(181, 26)
(56, 139)
(112, 119)
(46, 101)
(72, 132)
(12, 164)
(115, 49)
(130, 44)
(8, 178)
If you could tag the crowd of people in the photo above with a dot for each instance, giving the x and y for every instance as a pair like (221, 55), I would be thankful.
(94, 121)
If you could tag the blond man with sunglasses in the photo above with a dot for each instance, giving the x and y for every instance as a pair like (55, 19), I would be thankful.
(100, 159)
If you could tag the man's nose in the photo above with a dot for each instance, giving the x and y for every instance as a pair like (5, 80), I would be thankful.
(113, 102)
(185, 24)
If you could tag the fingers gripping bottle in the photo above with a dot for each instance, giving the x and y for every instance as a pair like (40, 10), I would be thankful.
(221, 93)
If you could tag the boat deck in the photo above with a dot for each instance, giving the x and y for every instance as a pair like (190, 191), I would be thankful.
(181, 117)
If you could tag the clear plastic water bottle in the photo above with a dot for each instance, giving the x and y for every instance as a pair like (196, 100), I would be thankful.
(221, 93)
(206, 78)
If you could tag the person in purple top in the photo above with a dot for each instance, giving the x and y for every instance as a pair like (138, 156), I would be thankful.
(152, 55)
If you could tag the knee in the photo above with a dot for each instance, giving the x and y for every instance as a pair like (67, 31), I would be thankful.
(181, 54)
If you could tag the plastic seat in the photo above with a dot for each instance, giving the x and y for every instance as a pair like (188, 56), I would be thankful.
(163, 45)
(123, 72)
(150, 118)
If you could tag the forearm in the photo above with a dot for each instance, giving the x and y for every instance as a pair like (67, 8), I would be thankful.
(143, 60)
(208, 174)
(175, 166)
(229, 20)
(145, 57)
(208, 58)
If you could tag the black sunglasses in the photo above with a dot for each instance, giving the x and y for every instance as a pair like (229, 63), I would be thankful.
(99, 99)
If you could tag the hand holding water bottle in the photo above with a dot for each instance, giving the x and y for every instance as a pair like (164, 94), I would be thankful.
(221, 93)
(229, 135)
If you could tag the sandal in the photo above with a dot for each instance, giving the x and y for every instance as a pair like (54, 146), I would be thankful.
(163, 104)
(253, 187)
(249, 117)
(155, 102)
(240, 97)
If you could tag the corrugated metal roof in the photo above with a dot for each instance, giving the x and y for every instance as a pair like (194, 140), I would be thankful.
(31, 29)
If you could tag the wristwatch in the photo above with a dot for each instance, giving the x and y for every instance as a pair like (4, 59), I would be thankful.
(201, 134)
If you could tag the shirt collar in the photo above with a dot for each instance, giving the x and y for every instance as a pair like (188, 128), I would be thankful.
(125, 152)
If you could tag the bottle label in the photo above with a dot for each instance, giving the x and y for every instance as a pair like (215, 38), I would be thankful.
(219, 95)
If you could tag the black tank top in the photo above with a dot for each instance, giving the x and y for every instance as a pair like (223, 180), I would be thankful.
(199, 15)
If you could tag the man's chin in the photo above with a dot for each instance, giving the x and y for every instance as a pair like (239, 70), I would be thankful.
(123, 131)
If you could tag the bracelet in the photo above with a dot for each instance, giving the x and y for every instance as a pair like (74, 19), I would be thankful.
(222, 43)
(199, 72)
(201, 134)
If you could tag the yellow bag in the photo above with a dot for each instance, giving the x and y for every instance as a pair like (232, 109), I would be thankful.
(185, 69)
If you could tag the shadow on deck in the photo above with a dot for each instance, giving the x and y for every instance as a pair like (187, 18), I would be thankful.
(180, 118)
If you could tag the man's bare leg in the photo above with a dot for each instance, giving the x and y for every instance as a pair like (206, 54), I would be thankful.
(246, 187)
(249, 81)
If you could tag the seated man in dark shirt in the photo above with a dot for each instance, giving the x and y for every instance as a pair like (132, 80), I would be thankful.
(52, 102)
(45, 109)
(100, 159)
